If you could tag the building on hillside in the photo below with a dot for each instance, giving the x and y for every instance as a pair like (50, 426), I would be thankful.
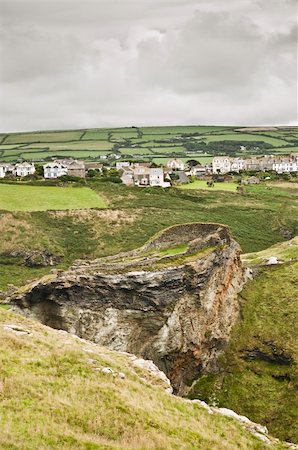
(221, 164)
(142, 164)
(127, 176)
(183, 178)
(54, 169)
(75, 168)
(285, 164)
(6, 169)
(280, 164)
(23, 169)
(93, 166)
(2, 171)
(121, 164)
(156, 176)
(140, 175)
(197, 171)
(237, 164)
(175, 164)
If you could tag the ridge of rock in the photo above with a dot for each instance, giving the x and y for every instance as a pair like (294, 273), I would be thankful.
(172, 301)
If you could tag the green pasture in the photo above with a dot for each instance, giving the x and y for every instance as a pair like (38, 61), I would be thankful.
(162, 150)
(135, 151)
(42, 198)
(178, 130)
(9, 146)
(200, 184)
(53, 136)
(201, 159)
(124, 135)
(72, 145)
(245, 137)
(96, 135)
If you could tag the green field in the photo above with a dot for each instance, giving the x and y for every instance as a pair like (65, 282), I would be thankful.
(200, 184)
(161, 140)
(73, 145)
(42, 198)
(54, 136)
(244, 137)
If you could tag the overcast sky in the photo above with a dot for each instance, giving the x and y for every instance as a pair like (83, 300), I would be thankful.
(99, 63)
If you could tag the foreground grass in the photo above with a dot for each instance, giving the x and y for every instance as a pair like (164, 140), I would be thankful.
(200, 184)
(52, 397)
(42, 198)
(259, 376)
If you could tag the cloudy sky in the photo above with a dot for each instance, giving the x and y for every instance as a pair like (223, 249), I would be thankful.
(98, 63)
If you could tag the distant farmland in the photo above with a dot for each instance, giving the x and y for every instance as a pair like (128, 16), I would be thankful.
(148, 143)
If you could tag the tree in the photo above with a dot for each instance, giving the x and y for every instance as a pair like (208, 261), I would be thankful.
(192, 162)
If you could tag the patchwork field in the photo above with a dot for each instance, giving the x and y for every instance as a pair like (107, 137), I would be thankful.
(147, 142)
(42, 198)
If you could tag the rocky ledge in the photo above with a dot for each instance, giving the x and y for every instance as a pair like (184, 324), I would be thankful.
(173, 301)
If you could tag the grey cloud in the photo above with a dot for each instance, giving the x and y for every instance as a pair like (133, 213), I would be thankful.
(102, 63)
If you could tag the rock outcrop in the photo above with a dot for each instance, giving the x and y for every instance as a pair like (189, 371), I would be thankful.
(173, 301)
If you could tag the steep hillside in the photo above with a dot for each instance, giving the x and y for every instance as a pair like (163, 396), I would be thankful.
(258, 375)
(59, 392)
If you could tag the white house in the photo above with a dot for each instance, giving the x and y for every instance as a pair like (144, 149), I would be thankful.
(237, 164)
(221, 164)
(156, 177)
(197, 170)
(23, 169)
(6, 168)
(127, 176)
(175, 164)
(141, 175)
(285, 165)
(121, 164)
(54, 170)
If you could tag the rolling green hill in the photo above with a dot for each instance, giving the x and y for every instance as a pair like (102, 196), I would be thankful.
(150, 143)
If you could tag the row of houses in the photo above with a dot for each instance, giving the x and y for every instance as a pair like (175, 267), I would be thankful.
(279, 164)
(53, 169)
(18, 170)
(143, 174)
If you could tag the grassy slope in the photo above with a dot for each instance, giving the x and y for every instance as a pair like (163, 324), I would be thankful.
(264, 390)
(51, 397)
(42, 198)
(255, 220)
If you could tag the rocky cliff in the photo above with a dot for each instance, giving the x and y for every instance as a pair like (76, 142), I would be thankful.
(173, 301)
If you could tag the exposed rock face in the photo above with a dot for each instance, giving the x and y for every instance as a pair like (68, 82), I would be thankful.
(175, 306)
